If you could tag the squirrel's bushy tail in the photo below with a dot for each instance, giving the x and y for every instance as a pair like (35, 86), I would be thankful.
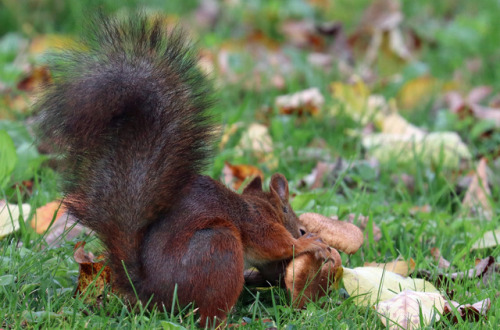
(128, 110)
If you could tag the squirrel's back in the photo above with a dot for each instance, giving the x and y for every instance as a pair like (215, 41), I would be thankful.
(128, 110)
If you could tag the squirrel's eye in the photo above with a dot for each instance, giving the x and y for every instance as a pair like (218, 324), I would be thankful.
(285, 209)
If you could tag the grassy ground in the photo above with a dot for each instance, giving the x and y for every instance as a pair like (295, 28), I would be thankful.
(37, 283)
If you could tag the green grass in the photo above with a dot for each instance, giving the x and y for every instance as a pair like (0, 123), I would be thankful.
(37, 282)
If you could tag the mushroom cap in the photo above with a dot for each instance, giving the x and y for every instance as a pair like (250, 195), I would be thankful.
(308, 277)
(340, 235)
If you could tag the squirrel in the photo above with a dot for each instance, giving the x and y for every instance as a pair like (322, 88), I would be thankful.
(129, 113)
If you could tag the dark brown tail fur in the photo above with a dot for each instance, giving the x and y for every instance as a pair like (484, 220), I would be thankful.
(128, 110)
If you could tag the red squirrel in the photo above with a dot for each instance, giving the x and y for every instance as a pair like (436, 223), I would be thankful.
(129, 112)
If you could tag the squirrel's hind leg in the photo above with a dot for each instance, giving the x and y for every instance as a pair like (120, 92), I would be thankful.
(216, 259)
(206, 266)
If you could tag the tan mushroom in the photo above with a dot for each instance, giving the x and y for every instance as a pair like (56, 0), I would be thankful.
(308, 278)
(340, 235)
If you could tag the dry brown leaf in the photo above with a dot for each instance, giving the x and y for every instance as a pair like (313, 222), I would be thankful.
(92, 273)
(483, 271)
(381, 39)
(316, 178)
(476, 200)
(406, 308)
(303, 34)
(468, 312)
(381, 15)
(38, 77)
(65, 228)
(340, 235)
(308, 101)
(469, 105)
(235, 175)
(442, 262)
(44, 215)
(401, 267)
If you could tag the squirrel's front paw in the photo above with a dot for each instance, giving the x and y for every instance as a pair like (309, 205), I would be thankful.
(317, 246)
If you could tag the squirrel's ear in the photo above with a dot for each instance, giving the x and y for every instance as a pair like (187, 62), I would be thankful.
(279, 186)
(255, 184)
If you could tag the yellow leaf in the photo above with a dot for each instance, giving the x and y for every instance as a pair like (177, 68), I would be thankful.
(257, 140)
(354, 97)
(409, 309)
(51, 42)
(417, 91)
(393, 123)
(490, 239)
(445, 148)
(401, 267)
(9, 217)
(370, 284)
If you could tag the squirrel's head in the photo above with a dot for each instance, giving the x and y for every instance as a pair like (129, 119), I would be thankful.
(278, 196)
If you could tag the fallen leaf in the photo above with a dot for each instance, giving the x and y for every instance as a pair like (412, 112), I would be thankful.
(393, 123)
(51, 42)
(410, 309)
(235, 175)
(303, 34)
(381, 39)
(381, 15)
(418, 91)
(469, 105)
(308, 101)
(65, 228)
(45, 215)
(401, 267)
(483, 271)
(257, 140)
(490, 239)
(354, 99)
(445, 148)
(442, 262)
(476, 200)
(92, 274)
(468, 312)
(369, 285)
(10, 215)
(38, 77)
